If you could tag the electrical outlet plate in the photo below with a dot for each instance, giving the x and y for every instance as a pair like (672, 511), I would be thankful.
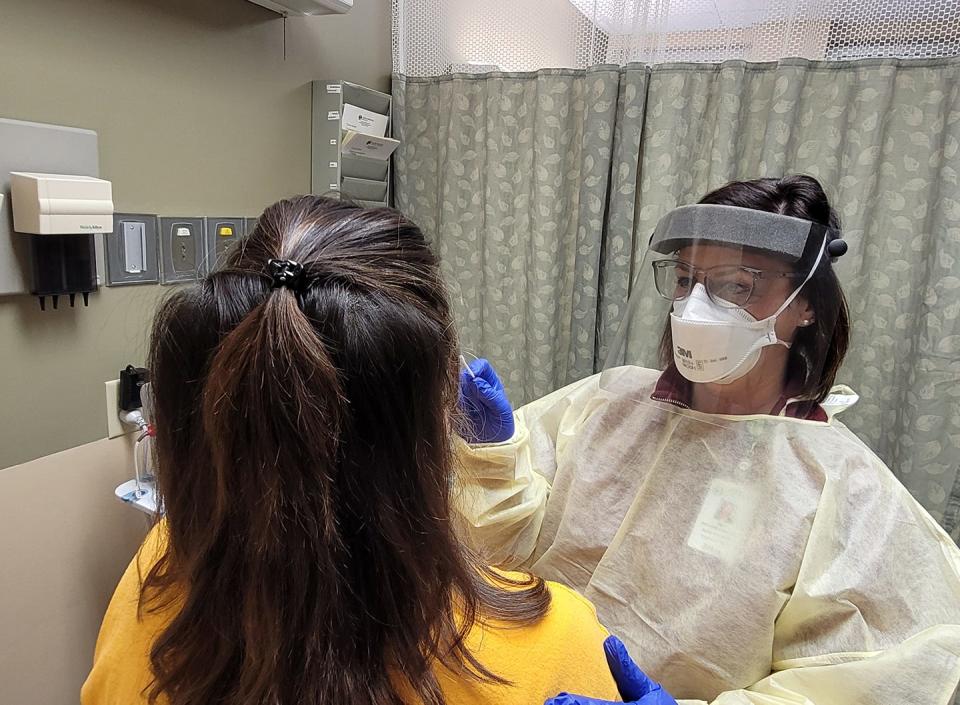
(182, 249)
(115, 427)
(132, 250)
(220, 234)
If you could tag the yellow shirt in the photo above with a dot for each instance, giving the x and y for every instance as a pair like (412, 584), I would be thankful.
(562, 652)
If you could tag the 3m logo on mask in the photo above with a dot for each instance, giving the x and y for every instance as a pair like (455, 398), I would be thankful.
(682, 352)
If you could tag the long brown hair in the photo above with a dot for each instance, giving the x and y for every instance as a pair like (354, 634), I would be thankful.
(304, 462)
(818, 350)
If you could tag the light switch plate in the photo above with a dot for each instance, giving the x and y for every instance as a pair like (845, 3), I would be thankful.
(221, 233)
(182, 249)
(132, 250)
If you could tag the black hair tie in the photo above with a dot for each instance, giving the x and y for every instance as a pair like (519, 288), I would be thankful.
(285, 273)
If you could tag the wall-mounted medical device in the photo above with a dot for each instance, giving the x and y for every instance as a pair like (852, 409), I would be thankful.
(306, 7)
(182, 249)
(220, 235)
(61, 214)
(131, 250)
(130, 401)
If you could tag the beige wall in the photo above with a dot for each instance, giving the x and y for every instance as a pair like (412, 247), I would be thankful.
(198, 112)
(64, 542)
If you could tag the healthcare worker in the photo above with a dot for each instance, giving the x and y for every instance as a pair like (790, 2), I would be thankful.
(744, 543)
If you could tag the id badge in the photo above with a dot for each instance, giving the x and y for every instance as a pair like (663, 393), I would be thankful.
(723, 524)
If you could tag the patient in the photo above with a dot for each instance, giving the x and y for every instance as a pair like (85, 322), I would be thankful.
(305, 400)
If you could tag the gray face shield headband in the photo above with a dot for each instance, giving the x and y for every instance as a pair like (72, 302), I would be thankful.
(780, 235)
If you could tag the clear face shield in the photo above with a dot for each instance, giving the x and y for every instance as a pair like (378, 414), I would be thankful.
(736, 310)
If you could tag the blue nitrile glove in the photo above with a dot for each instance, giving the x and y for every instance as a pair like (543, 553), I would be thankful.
(485, 403)
(634, 685)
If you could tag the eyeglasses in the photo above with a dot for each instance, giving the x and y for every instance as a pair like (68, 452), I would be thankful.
(729, 286)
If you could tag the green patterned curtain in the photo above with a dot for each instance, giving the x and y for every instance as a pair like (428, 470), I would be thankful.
(510, 176)
(543, 275)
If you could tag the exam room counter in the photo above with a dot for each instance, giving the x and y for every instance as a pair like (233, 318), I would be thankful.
(65, 540)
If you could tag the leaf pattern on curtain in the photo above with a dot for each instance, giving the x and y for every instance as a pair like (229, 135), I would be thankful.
(541, 237)
(508, 175)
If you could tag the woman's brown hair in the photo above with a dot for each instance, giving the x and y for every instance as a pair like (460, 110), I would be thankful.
(304, 462)
(818, 350)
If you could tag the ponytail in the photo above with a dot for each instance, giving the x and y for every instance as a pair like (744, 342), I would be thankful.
(271, 411)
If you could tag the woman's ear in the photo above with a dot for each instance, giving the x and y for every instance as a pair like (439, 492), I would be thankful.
(805, 313)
